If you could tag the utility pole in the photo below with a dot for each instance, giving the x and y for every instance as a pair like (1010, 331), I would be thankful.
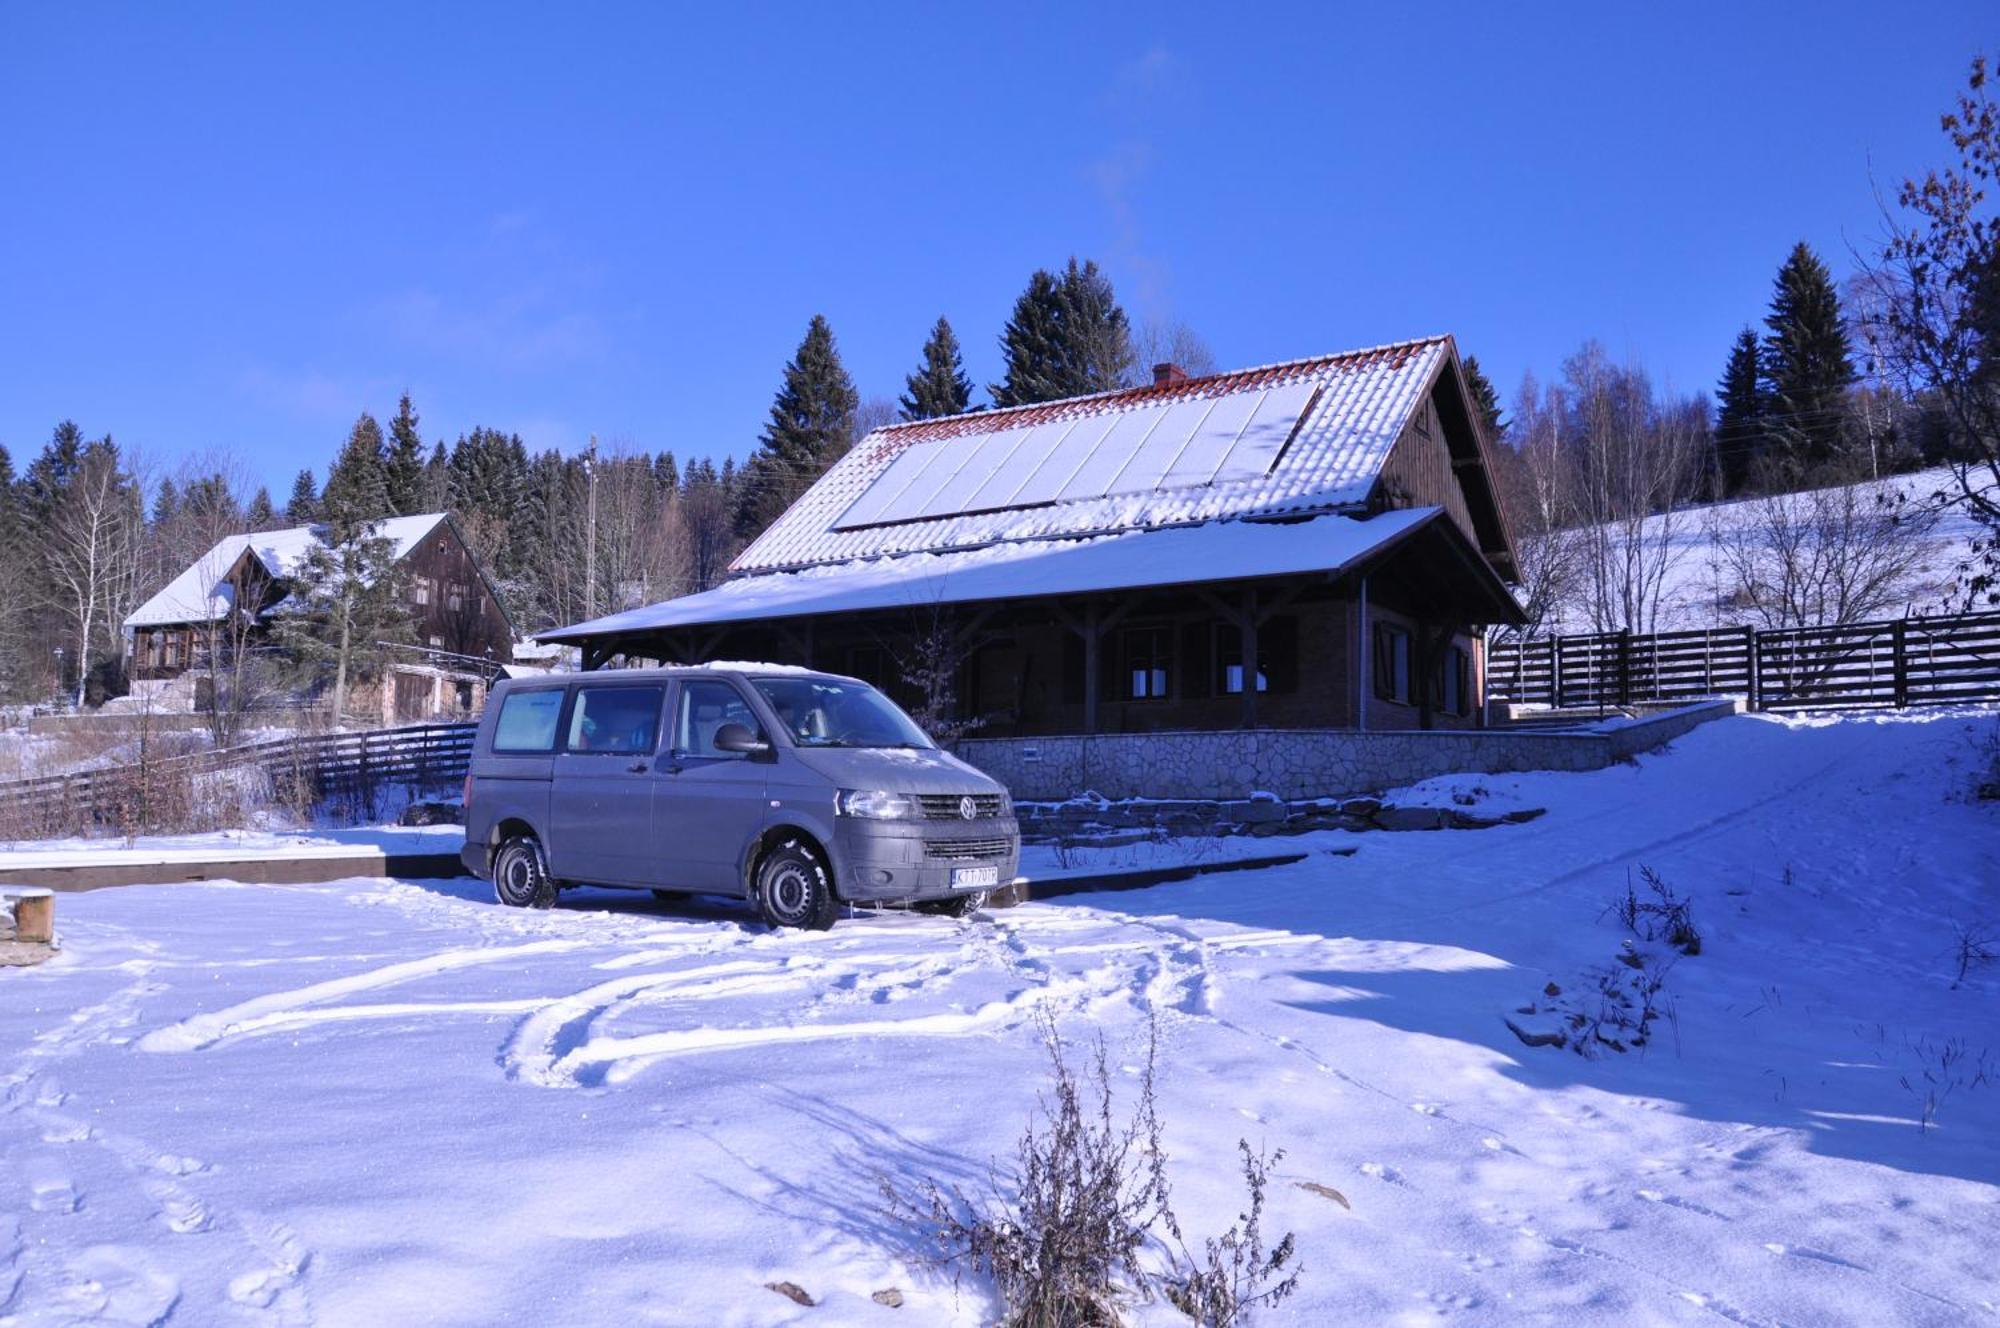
(590, 531)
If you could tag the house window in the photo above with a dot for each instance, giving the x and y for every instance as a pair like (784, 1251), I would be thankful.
(455, 601)
(1451, 682)
(1391, 663)
(420, 590)
(1148, 655)
(1229, 661)
(437, 643)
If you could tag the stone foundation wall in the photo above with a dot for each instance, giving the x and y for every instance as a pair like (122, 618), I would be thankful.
(1304, 763)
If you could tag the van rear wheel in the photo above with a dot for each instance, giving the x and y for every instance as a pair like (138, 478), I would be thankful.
(794, 889)
(521, 876)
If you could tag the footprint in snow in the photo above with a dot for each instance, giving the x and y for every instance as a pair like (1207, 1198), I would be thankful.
(1425, 1109)
(170, 1164)
(1685, 1205)
(1248, 1114)
(1817, 1256)
(1382, 1172)
(183, 1213)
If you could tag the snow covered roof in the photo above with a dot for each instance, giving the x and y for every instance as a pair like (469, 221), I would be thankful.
(1300, 437)
(1218, 551)
(202, 593)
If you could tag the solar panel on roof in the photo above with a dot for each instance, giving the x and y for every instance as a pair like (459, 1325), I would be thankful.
(1197, 462)
(982, 463)
(876, 500)
(1256, 449)
(1177, 444)
(1147, 467)
(1094, 471)
(1072, 444)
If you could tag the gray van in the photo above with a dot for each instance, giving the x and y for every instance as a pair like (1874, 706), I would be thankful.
(798, 790)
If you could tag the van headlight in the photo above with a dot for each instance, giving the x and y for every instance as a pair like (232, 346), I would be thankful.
(1006, 803)
(875, 805)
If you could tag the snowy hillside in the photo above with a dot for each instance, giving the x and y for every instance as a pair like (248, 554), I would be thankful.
(1698, 578)
(393, 1102)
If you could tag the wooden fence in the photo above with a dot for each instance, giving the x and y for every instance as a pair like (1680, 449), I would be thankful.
(304, 771)
(1896, 662)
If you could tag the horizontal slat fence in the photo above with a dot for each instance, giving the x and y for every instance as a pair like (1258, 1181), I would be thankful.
(1895, 662)
(304, 770)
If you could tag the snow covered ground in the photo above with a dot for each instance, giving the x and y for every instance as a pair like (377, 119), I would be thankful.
(393, 1102)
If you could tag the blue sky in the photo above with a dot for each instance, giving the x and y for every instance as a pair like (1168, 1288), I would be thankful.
(236, 228)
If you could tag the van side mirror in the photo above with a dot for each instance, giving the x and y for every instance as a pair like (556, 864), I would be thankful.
(738, 738)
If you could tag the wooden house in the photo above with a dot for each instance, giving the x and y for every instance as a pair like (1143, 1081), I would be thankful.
(1314, 544)
(459, 632)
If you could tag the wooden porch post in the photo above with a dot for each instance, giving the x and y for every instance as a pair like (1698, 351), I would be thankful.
(1249, 632)
(1092, 635)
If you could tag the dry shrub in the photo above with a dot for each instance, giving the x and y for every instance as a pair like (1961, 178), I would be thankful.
(1663, 916)
(1062, 1236)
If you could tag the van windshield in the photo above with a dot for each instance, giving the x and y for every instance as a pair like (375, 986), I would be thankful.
(827, 712)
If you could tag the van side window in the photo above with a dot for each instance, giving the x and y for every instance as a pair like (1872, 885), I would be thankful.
(704, 708)
(527, 722)
(618, 720)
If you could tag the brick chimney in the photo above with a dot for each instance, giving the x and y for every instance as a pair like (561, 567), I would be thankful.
(1168, 372)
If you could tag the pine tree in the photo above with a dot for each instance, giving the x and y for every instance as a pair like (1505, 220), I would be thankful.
(437, 479)
(49, 475)
(260, 515)
(10, 506)
(667, 473)
(1806, 365)
(488, 472)
(403, 465)
(166, 503)
(811, 426)
(939, 386)
(357, 487)
(14, 648)
(1484, 399)
(1068, 337)
(1032, 343)
(1740, 408)
(1099, 334)
(303, 506)
(347, 586)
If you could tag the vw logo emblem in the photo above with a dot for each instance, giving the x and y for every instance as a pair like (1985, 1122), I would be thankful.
(967, 807)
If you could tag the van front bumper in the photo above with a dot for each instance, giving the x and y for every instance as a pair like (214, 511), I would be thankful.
(905, 861)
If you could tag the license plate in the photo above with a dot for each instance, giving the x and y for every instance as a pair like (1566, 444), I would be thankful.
(974, 878)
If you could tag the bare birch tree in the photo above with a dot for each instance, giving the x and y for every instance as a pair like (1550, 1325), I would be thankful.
(1535, 472)
(1821, 557)
(1636, 466)
(92, 543)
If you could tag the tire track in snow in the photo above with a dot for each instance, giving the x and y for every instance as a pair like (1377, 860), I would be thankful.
(205, 1030)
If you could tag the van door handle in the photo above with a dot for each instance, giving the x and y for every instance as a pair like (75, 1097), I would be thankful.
(637, 767)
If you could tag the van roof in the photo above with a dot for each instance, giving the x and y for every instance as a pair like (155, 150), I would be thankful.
(744, 668)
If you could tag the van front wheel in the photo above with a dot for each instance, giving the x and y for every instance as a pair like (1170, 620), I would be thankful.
(520, 877)
(794, 889)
